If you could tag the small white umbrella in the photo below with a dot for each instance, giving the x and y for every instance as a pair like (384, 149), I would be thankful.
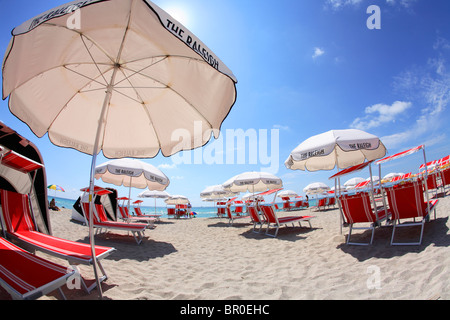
(216, 192)
(155, 194)
(316, 188)
(177, 199)
(132, 173)
(287, 194)
(351, 183)
(253, 182)
(392, 175)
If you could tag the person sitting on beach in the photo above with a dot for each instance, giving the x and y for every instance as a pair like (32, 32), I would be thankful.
(53, 205)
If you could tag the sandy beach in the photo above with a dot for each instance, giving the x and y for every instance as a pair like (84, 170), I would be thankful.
(206, 259)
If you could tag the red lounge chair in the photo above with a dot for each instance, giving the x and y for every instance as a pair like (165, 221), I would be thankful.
(256, 218)
(357, 209)
(19, 225)
(101, 222)
(232, 217)
(287, 206)
(26, 276)
(432, 183)
(139, 213)
(445, 176)
(272, 219)
(171, 212)
(129, 218)
(407, 202)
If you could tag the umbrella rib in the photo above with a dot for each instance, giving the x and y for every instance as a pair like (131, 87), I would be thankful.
(95, 63)
(172, 89)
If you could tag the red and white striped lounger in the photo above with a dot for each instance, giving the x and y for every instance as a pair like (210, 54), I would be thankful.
(21, 227)
(25, 276)
(272, 219)
(101, 222)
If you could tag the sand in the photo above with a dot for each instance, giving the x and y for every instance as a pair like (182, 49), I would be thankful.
(206, 259)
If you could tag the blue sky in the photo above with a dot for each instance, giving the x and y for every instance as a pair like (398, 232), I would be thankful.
(304, 67)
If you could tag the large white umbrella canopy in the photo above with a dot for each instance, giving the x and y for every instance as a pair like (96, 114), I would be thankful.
(132, 173)
(253, 181)
(159, 82)
(316, 188)
(127, 79)
(341, 148)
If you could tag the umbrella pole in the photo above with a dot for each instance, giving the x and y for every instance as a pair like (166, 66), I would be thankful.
(92, 177)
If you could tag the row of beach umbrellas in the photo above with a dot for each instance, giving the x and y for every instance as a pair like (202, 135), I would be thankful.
(110, 82)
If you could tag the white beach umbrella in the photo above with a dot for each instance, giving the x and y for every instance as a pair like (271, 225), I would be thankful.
(132, 173)
(351, 183)
(287, 194)
(177, 199)
(392, 175)
(155, 194)
(341, 148)
(253, 182)
(216, 192)
(316, 188)
(128, 80)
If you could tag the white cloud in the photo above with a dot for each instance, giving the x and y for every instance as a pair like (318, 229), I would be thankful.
(281, 127)
(428, 86)
(318, 52)
(167, 166)
(380, 114)
(338, 4)
(403, 3)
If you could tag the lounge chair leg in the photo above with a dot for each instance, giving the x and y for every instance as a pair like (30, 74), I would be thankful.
(62, 294)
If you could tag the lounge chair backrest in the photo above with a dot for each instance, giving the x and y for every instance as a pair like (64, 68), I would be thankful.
(432, 181)
(332, 201)
(16, 212)
(407, 200)
(238, 209)
(357, 208)
(254, 214)
(322, 202)
(229, 212)
(286, 205)
(445, 174)
(101, 212)
(122, 212)
(138, 211)
(85, 206)
(170, 211)
(269, 214)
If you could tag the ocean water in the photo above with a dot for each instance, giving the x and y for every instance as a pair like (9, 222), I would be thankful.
(201, 212)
